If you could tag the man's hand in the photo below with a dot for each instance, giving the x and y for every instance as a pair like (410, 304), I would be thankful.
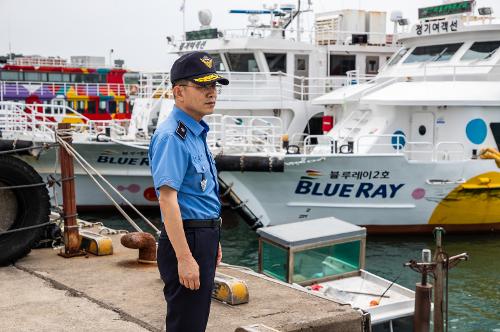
(219, 255)
(187, 267)
(189, 272)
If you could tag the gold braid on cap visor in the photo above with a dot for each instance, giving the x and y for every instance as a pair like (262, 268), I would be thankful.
(207, 78)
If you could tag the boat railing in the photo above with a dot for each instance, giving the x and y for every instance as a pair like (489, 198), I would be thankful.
(355, 123)
(456, 151)
(383, 143)
(154, 85)
(249, 86)
(330, 36)
(423, 151)
(39, 121)
(245, 134)
(255, 32)
(459, 72)
(22, 89)
(412, 150)
(298, 139)
(37, 62)
(318, 144)
(317, 35)
(271, 86)
(16, 123)
(379, 85)
(55, 62)
(356, 77)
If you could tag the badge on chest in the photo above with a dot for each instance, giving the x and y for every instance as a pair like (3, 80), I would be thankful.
(203, 183)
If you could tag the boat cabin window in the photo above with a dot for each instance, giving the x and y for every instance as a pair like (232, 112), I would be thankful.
(397, 56)
(131, 78)
(91, 106)
(112, 107)
(55, 77)
(58, 102)
(77, 78)
(31, 76)
(91, 78)
(10, 76)
(341, 64)
(276, 62)
(102, 107)
(121, 107)
(242, 62)
(481, 50)
(219, 65)
(433, 53)
(80, 107)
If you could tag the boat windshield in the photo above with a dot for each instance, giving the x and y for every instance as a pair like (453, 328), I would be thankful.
(395, 59)
(481, 50)
(219, 65)
(276, 62)
(242, 62)
(433, 53)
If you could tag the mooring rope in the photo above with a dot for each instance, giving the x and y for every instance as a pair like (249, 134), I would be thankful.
(86, 166)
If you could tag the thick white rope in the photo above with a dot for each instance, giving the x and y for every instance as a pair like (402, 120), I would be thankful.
(86, 166)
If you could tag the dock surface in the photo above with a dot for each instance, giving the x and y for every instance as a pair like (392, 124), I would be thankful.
(45, 292)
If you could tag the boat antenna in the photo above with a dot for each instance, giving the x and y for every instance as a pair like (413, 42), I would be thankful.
(183, 10)
(297, 12)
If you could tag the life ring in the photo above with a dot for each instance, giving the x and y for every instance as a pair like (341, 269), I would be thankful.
(20, 207)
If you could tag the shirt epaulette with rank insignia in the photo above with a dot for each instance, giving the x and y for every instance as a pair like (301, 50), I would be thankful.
(181, 130)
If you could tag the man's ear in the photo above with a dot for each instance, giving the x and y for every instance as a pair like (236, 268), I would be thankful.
(178, 93)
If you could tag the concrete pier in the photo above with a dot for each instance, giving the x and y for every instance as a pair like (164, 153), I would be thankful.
(45, 292)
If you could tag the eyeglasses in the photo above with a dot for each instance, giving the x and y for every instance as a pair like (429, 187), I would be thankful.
(205, 88)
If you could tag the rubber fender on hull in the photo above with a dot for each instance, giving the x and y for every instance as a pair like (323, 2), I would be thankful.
(249, 164)
(19, 208)
(8, 145)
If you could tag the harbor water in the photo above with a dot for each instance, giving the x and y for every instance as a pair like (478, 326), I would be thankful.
(474, 285)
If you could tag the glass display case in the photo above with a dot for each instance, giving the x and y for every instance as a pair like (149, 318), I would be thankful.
(312, 251)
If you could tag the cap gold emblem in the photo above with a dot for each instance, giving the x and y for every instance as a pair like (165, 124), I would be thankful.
(207, 61)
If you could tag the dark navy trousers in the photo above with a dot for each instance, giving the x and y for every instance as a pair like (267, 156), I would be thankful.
(188, 310)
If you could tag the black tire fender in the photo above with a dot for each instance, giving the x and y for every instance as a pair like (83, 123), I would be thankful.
(20, 207)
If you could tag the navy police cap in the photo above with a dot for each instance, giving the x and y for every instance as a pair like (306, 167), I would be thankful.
(197, 67)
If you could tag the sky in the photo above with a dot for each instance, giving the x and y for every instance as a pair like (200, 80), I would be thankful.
(136, 30)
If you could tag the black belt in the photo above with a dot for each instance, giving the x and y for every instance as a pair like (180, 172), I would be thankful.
(202, 223)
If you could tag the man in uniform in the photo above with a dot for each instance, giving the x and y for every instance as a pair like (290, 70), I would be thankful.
(185, 179)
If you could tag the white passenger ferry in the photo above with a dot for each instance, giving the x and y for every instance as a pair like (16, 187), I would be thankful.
(275, 67)
(405, 155)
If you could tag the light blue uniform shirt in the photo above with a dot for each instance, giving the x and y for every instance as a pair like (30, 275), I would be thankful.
(183, 163)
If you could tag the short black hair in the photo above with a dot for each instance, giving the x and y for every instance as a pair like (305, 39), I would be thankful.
(180, 82)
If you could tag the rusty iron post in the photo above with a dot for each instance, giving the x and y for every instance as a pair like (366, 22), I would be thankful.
(437, 268)
(71, 235)
(422, 315)
(438, 282)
